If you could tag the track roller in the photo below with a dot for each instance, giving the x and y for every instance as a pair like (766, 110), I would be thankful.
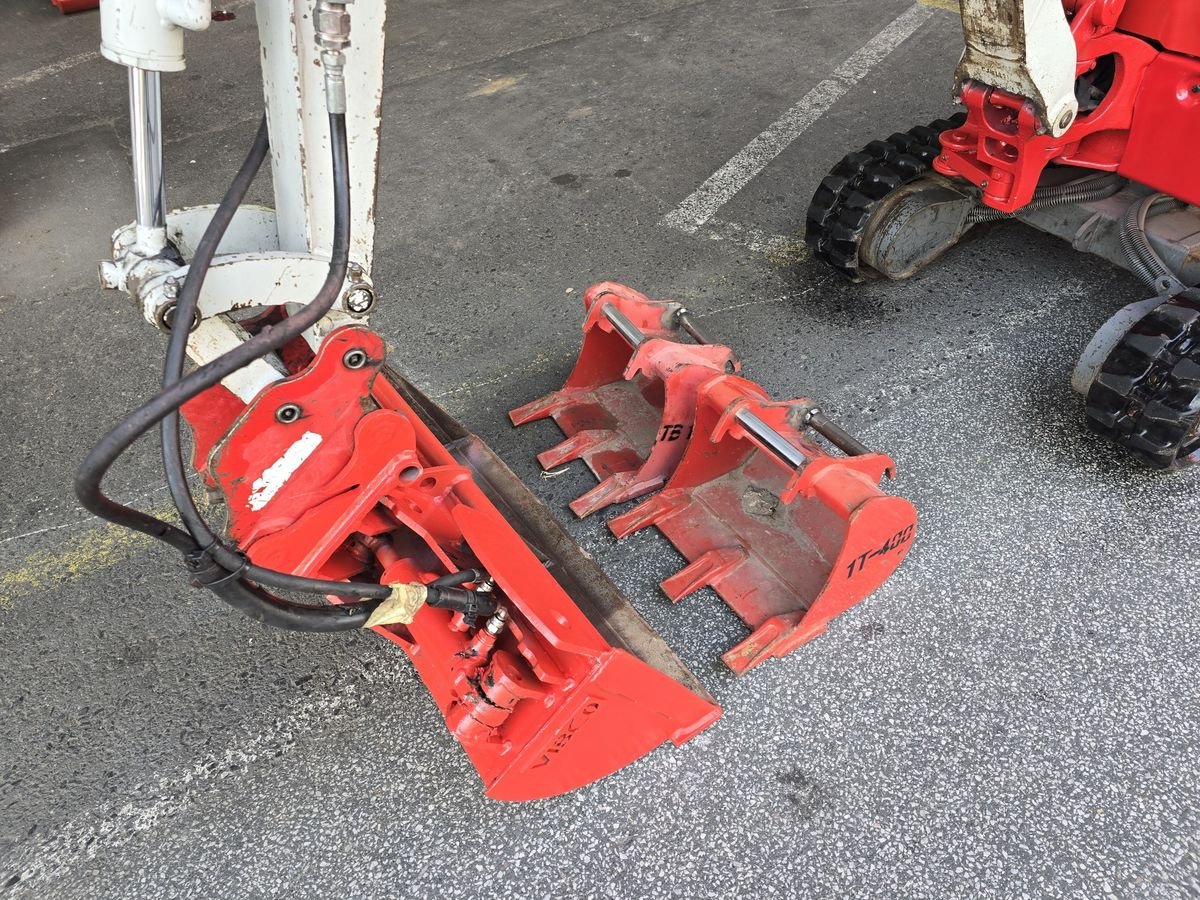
(854, 192)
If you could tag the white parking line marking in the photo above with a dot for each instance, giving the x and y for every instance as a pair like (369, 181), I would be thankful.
(755, 239)
(50, 69)
(723, 184)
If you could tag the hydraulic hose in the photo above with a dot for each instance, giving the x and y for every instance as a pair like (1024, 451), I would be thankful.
(251, 600)
(182, 318)
(186, 303)
(213, 564)
(1088, 189)
(1143, 259)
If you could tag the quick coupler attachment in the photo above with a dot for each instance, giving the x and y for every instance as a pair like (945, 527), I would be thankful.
(788, 532)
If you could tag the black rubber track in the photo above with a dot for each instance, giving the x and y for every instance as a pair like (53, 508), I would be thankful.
(848, 196)
(1147, 395)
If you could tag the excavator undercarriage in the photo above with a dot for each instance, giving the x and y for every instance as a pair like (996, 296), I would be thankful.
(1082, 118)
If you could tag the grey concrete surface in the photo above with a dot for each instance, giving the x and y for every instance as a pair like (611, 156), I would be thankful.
(1013, 715)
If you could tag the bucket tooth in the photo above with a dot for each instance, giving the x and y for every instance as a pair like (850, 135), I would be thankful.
(647, 513)
(755, 648)
(614, 489)
(541, 408)
(574, 447)
(777, 637)
(704, 571)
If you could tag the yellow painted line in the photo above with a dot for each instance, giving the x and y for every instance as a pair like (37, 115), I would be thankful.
(81, 555)
(496, 85)
(948, 5)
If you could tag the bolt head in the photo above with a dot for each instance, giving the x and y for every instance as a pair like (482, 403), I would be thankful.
(360, 299)
(287, 413)
(166, 318)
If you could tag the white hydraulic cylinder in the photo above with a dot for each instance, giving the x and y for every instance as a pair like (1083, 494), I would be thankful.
(148, 34)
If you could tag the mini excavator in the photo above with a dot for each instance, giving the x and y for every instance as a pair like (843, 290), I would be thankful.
(343, 484)
(1082, 120)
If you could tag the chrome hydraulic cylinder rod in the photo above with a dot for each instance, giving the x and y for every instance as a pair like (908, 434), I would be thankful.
(146, 142)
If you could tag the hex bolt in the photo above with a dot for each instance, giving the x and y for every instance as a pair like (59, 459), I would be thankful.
(354, 359)
(287, 413)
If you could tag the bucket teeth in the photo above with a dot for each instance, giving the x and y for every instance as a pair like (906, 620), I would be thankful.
(649, 512)
(613, 489)
(574, 447)
(541, 408)
(704, 571)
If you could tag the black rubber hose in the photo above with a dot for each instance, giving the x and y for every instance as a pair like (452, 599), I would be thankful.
(261, 606)
(182, 318)
(89, 478)
(454, 579)
(472, 604)
(185, 308)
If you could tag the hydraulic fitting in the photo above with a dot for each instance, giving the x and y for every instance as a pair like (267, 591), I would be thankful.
(332, 22)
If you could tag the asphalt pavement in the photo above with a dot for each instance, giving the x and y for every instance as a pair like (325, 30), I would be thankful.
(1012, 715)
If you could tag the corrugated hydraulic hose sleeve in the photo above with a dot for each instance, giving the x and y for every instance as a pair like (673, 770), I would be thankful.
(1088, 189)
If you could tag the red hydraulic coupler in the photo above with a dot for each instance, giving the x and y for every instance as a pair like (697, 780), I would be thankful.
(345, 471)
(628, 405)
(788, 535)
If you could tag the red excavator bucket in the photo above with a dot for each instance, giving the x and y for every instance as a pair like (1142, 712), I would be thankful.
(628, 405)
(788, 534)
(363, 478)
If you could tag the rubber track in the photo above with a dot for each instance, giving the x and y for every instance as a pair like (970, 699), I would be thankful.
(1146, 396)
(848, 196)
